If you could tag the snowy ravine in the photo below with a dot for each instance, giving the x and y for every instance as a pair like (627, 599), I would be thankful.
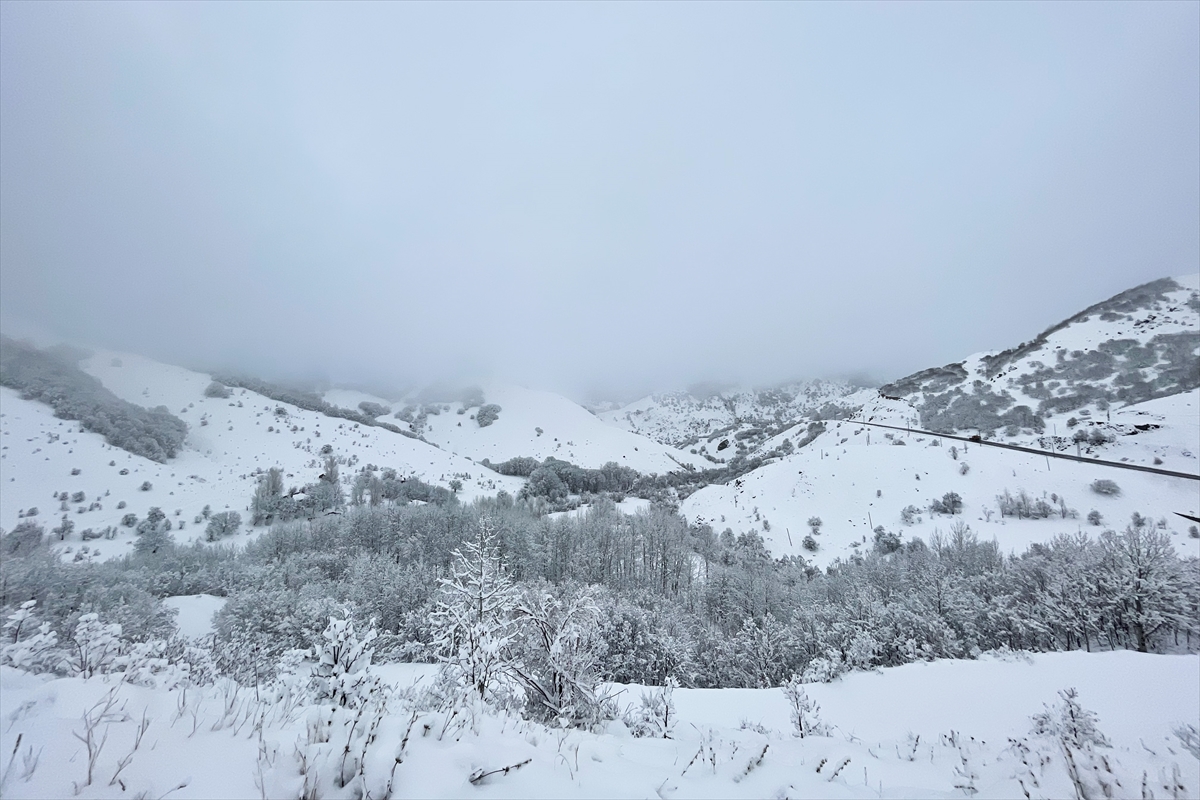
(940, 729)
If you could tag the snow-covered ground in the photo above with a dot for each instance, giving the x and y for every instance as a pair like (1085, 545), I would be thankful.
(194, 613)
(940, 729)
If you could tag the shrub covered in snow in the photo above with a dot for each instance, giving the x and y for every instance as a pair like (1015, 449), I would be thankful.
(216, 389)
(655, 715)
(804, 712)
(487, 414)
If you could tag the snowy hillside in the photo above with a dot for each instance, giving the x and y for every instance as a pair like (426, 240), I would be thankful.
(540, 424)
(855, 478)
(1142, 344)
(229, 442)
(720, 424)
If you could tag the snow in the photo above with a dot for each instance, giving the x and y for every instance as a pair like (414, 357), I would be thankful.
(989, 698)
(569, 433)
(911, 731)
(195, 613)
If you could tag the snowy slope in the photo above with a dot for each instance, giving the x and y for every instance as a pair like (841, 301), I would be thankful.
(838, 481)
(941, 729)
(219, 461)
(568, 432)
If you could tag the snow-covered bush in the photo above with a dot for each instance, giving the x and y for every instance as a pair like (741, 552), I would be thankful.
(886, 541)
(30, 645)
(217, 390)
(1076, 731)
(804, 711)
(951, 503)
(222, 524)
(342, 659)
(655, 715)
(487, 414)
(824, 669)
(94, 647)
(1105, 486)
(147, 664)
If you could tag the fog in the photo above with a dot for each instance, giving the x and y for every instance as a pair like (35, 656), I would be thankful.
(588, 197)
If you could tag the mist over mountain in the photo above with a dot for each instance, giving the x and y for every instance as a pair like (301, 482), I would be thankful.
(587, 198)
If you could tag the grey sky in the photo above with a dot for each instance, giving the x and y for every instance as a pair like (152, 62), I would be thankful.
(589, 195)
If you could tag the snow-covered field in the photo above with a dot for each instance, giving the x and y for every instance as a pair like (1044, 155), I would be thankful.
(940, 729)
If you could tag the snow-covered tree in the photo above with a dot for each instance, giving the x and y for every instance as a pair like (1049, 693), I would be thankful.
(220, 525)
(152, 532)
(1141, 576)
(475, 617)
(763, 651)
(559, 655)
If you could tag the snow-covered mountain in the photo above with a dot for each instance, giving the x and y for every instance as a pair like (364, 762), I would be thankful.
(1118, 382)
(538, 424)
(1139, 345)
(717, 424)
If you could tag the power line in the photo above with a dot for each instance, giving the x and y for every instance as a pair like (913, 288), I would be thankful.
(1049, 454)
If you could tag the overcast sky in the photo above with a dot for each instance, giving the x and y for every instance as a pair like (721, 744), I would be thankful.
(589, 195)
